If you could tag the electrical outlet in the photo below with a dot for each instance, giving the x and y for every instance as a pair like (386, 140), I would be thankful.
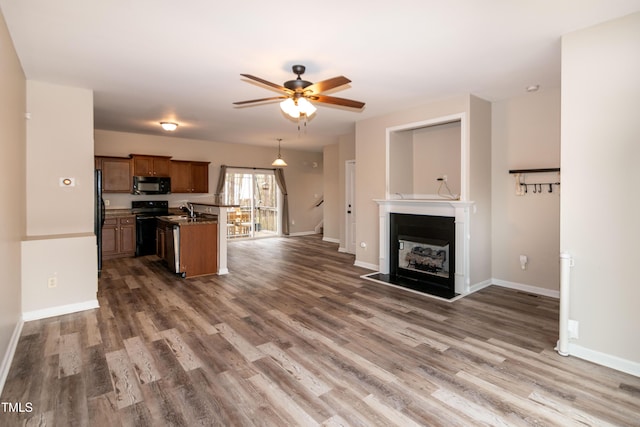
(52, 282)
(573, 328)
(107, 202)
(444, 178)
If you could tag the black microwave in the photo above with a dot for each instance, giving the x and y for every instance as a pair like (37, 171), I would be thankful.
(151, 185)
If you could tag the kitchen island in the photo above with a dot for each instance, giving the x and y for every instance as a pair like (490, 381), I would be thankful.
(195, 246)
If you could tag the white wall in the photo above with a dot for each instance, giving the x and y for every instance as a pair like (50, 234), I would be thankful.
(12, 193)
(526, 135)
(599, 204)
(303, 174)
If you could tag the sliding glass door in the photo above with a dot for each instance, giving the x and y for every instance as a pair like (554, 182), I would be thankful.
(256, 193)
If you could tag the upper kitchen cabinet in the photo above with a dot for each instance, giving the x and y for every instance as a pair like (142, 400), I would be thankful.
(116, 174)
(189, 177)
(151, 165)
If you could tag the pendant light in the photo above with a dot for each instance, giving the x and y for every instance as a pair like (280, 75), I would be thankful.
(279, 162)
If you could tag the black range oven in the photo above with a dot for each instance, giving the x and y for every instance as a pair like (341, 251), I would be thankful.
(146, 212)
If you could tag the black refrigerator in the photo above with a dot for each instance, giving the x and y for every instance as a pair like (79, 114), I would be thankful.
(99, 212)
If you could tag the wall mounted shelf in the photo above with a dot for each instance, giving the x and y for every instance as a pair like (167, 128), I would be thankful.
(534, 170)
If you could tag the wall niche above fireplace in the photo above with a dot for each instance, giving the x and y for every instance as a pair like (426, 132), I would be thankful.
(420, 153)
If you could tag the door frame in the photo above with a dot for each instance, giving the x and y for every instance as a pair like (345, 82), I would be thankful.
(350, 207)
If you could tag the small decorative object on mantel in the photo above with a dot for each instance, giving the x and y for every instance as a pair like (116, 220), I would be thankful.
(522, 187)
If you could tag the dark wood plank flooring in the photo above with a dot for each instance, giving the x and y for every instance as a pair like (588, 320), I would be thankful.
(293, 336)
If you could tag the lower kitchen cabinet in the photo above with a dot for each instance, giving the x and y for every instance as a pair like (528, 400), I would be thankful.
(119, 237)
(163, 232)
(198, 249)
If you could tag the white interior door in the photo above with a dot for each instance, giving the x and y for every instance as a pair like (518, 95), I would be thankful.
(350, 206)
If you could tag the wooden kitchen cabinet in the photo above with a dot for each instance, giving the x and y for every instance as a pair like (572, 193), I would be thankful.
(119, 237)
(162, 234)
(144, 165)
(198, 249)
(189, 177)
(116, 174)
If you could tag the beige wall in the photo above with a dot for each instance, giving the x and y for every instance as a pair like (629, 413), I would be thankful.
(12, 192)
(331, 185)
(303, 174)
(60, 239)
(475, 135)
(59, 144)
(526, 135)
(436, 152)
(347, 152)
(371, 164)
(479, 188)
(599, 203)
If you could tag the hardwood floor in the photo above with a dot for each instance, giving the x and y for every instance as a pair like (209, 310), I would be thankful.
(293, 336)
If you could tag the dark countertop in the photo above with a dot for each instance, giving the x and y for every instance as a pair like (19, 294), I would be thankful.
(185, 220)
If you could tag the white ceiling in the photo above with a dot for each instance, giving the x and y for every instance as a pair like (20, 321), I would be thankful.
(154, 60)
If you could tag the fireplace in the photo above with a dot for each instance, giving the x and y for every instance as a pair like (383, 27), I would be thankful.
(422, 253)
(424, 246)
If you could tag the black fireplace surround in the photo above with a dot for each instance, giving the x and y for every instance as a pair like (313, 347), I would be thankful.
(421, 268)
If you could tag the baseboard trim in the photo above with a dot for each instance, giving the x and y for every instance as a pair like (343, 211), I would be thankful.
(527, 288)
(8, 355)
(366, 265)
(481, 285)
(613, 362)
(59, 310)
(302, 233)
(331, 240)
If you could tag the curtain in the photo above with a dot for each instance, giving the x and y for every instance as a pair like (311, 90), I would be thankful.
(279, 173)
(220, 187)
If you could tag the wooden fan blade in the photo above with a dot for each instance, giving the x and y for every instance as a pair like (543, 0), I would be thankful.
(325, 85)
(337, 101)
(260, 100)
(266, 83)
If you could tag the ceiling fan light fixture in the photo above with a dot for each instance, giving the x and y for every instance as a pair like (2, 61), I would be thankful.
(289, 107)
(305, 107)
(169, 126)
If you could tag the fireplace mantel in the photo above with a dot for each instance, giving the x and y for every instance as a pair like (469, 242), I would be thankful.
(458, 209)
(422, 203)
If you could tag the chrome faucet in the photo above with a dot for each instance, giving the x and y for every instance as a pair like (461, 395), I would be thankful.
(189, 207)
(192, 213)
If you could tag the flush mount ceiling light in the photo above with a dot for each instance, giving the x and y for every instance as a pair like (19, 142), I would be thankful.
(169, 126)
(279, 162)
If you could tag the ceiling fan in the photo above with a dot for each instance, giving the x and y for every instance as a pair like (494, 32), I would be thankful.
(298, 93)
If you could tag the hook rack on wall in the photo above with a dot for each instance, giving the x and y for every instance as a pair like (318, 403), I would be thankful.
(522, 187)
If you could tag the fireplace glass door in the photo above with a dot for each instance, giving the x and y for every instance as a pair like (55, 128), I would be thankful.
(427, 256)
